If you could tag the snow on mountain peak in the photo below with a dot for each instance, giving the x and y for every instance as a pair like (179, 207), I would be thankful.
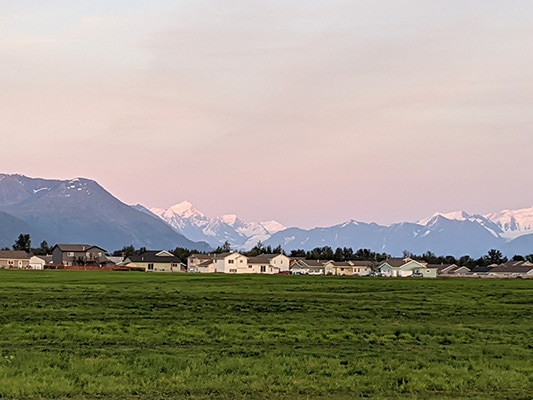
(184, 209)
(273, 226)
(454, 216)
(229, 219)
(513, 222)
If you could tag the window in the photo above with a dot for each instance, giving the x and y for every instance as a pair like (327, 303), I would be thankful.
(233, 270)
(240, 261)
(150, 266)
(70, 254)
(263, 268)
(231, 261)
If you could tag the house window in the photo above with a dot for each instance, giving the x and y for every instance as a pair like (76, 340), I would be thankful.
(263, 268)
(240, 261)
(150, 267)
(233, 270)
(70, 254)
(10, 262)
(231, 261)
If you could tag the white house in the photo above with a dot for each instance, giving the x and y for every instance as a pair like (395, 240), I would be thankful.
(403, 267)
(36, 262)
(269, 264)
(231, 263)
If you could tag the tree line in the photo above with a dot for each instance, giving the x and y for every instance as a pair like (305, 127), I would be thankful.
(493, 256)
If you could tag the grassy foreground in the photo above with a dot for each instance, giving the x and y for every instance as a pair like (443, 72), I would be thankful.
(156, 336)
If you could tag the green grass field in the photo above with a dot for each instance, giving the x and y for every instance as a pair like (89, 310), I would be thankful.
(156, 336)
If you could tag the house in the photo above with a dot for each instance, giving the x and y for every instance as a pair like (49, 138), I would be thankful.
(308, 267)
(205, 267)
(404, 267)
(231, 263)
(362, 268)
(350, 268)
(513, 269)
(14, 259)
(154, 261)
(481, 270)
(269, 264)
(202, 263)
(37, 262)
(460, 271)
(78, 255)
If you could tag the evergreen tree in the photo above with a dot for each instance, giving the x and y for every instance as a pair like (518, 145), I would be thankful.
(23, 243)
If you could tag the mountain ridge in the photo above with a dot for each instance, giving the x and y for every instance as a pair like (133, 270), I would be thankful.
(79, 210)
(454, 233)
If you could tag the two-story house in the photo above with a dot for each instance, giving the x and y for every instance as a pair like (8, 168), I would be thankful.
(231, 263)
(78, 255)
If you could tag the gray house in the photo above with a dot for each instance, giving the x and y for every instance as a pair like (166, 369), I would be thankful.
(78, 255)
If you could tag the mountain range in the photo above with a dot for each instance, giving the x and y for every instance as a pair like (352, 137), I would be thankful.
(456, 233)
(78, 211)
(81, 211)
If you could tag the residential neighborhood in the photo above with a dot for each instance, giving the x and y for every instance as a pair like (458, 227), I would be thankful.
(91, 257)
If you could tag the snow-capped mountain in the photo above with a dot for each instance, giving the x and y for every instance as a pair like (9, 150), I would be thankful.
(462, 216)
(513, 223)
(439, 235)
(184, 218)
(454, 233)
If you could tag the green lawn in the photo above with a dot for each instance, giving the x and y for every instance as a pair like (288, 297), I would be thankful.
(134, 335)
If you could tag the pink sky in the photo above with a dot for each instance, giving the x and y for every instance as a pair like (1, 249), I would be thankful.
(311, 113)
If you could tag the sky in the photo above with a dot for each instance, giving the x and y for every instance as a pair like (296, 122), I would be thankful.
(310, 112)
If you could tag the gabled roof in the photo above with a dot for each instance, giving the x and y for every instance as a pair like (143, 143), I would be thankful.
(14, 255)
(393, 262)
(313, 263)
(442, 267)
(205, 263)
(202, 256)
(76, 247)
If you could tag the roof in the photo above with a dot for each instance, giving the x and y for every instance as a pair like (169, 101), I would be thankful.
(342, 264)
(482, 269)
(205, 263)
(76, 247)
(513, 269)
(393, 262)
(313, 263)
(202, 256)
(362, 263)
(115, 260)
(14, 255)
(442, 267)
(262, 258)
(153, 257)
(221, 256)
